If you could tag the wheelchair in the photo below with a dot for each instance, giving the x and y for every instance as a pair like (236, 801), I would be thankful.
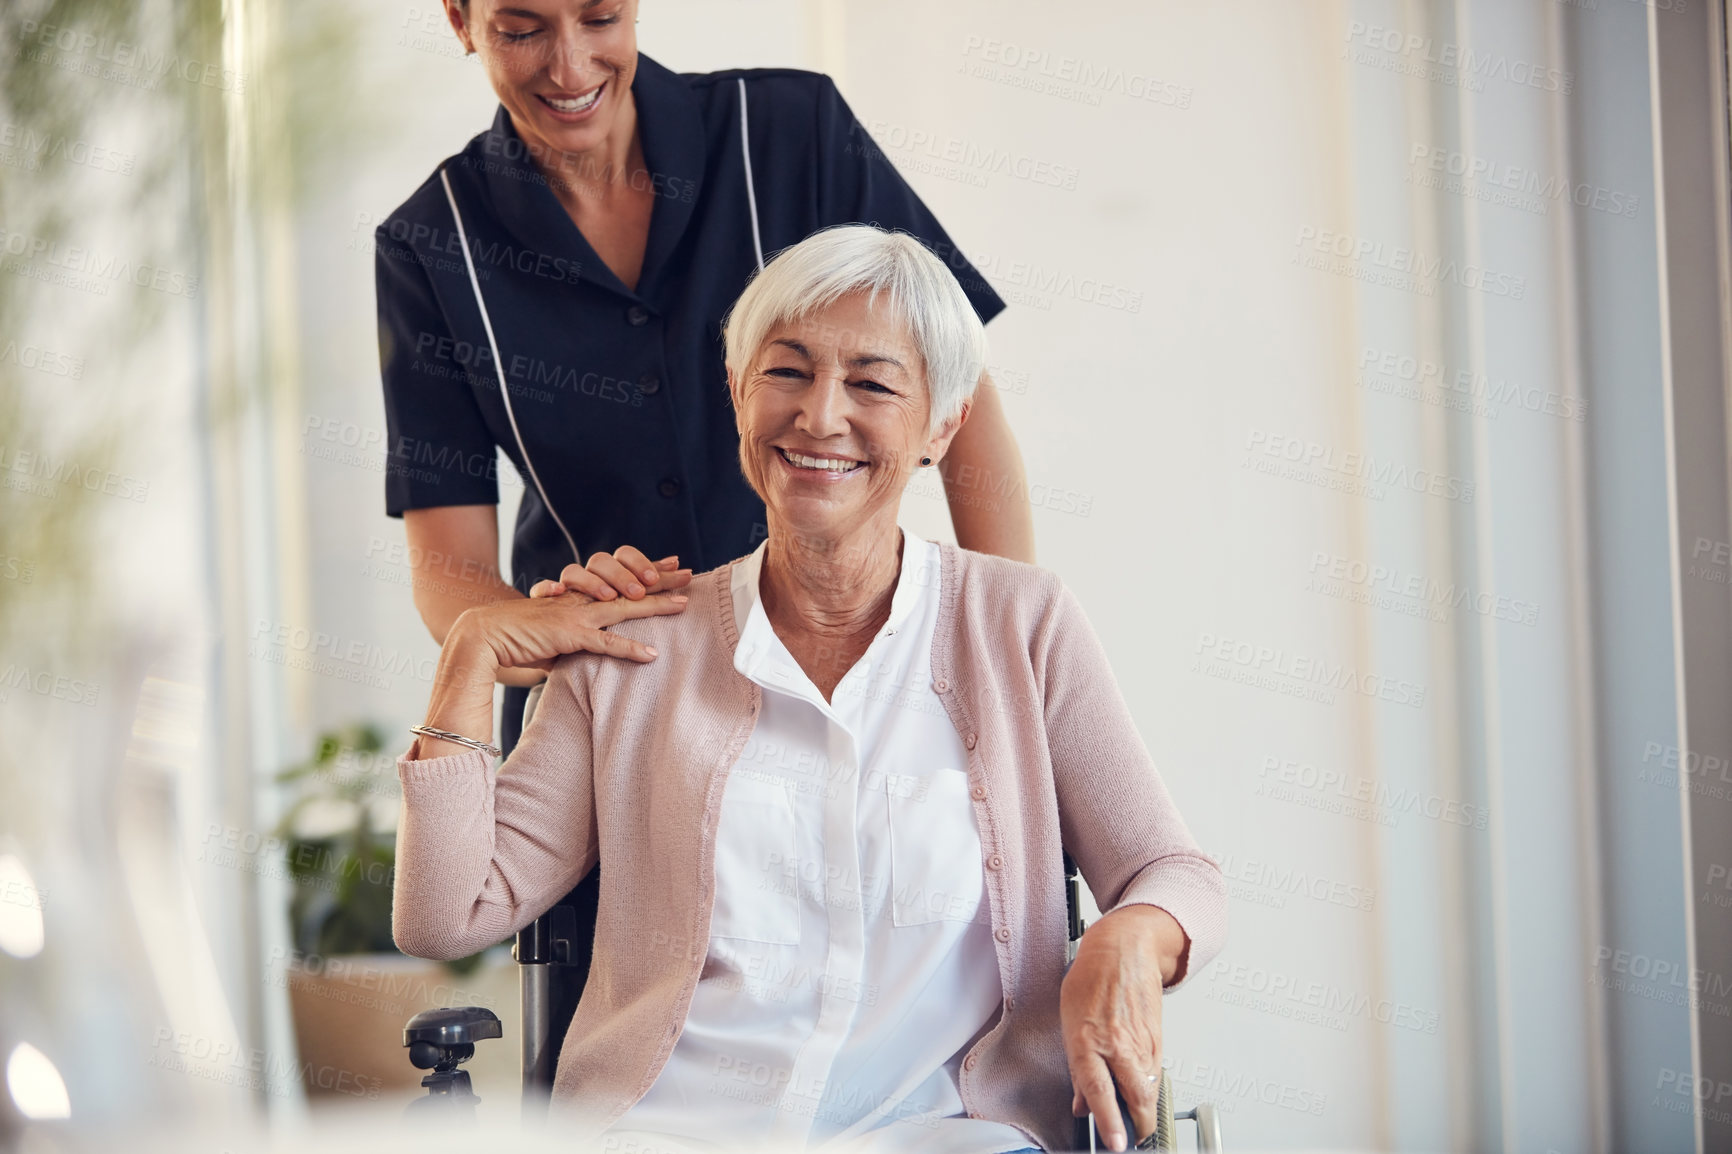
(553, 956)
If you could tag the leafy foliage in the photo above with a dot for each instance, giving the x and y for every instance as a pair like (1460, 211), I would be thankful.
(343, 877)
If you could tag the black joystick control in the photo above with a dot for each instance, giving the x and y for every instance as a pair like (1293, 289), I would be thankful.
(441, 1041)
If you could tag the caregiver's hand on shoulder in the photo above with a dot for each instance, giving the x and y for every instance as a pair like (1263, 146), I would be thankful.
(1110, 1015)
(625, 572)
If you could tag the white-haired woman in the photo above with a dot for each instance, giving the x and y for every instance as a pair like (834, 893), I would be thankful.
(833, 792)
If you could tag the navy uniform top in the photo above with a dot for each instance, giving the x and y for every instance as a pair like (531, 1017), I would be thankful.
(621, 397)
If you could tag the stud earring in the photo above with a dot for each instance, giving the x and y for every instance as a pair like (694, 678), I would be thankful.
(925, 462)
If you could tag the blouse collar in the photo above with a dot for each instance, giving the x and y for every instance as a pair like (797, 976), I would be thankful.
(916, 581)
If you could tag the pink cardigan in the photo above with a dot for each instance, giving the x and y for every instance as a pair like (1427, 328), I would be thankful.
(625, 763)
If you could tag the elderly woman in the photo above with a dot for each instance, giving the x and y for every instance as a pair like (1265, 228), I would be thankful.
(831, 791)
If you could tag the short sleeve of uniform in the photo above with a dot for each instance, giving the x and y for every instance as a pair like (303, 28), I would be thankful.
(857, 183)
(438, 449)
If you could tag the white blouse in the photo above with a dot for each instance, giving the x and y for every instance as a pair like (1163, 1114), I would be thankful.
(851, 962)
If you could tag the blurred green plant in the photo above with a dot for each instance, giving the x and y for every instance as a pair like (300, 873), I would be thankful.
(61, 94)
(341, 864)
(341, 901)
(42, 196)
(50, 543)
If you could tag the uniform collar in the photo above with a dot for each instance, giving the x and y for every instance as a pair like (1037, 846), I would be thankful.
(670, 125)
(525, 205)
(760, 652)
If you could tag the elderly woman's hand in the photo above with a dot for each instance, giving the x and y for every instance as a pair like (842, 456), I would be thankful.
(1110, 1013)
(625, 572)
(532, 634)
(524, 634)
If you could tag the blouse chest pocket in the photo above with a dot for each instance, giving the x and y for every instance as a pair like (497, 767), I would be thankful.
(757, 870)
(935, 869)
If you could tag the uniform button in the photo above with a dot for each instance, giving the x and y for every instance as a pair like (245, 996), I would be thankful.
(670, 487)
(970, 1063)
(978, 793)
(637, 315)
(994, 862)
(970, 740)
(1002, 934)
(941, 686)
(649, 384)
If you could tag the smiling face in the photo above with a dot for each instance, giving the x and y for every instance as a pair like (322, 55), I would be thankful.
(833, 416)
(562, 68)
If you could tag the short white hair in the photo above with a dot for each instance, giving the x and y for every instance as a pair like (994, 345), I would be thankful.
(919, 289)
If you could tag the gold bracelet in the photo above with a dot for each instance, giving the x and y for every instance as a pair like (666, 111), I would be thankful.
(457, 739)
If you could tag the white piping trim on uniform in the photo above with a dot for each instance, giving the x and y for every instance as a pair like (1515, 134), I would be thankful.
(751, 194)
(499, 365)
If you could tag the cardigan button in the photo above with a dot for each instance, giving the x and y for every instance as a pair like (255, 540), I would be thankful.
(994, 862)
(1002, 934)
(1009, 1004)
(971, 1061)
(978, 793)
(970, 740)
(941, 686)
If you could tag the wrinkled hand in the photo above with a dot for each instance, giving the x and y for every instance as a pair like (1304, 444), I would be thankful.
(523, 633)
(533, 633)
(623, 573)
(1110, 1015)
